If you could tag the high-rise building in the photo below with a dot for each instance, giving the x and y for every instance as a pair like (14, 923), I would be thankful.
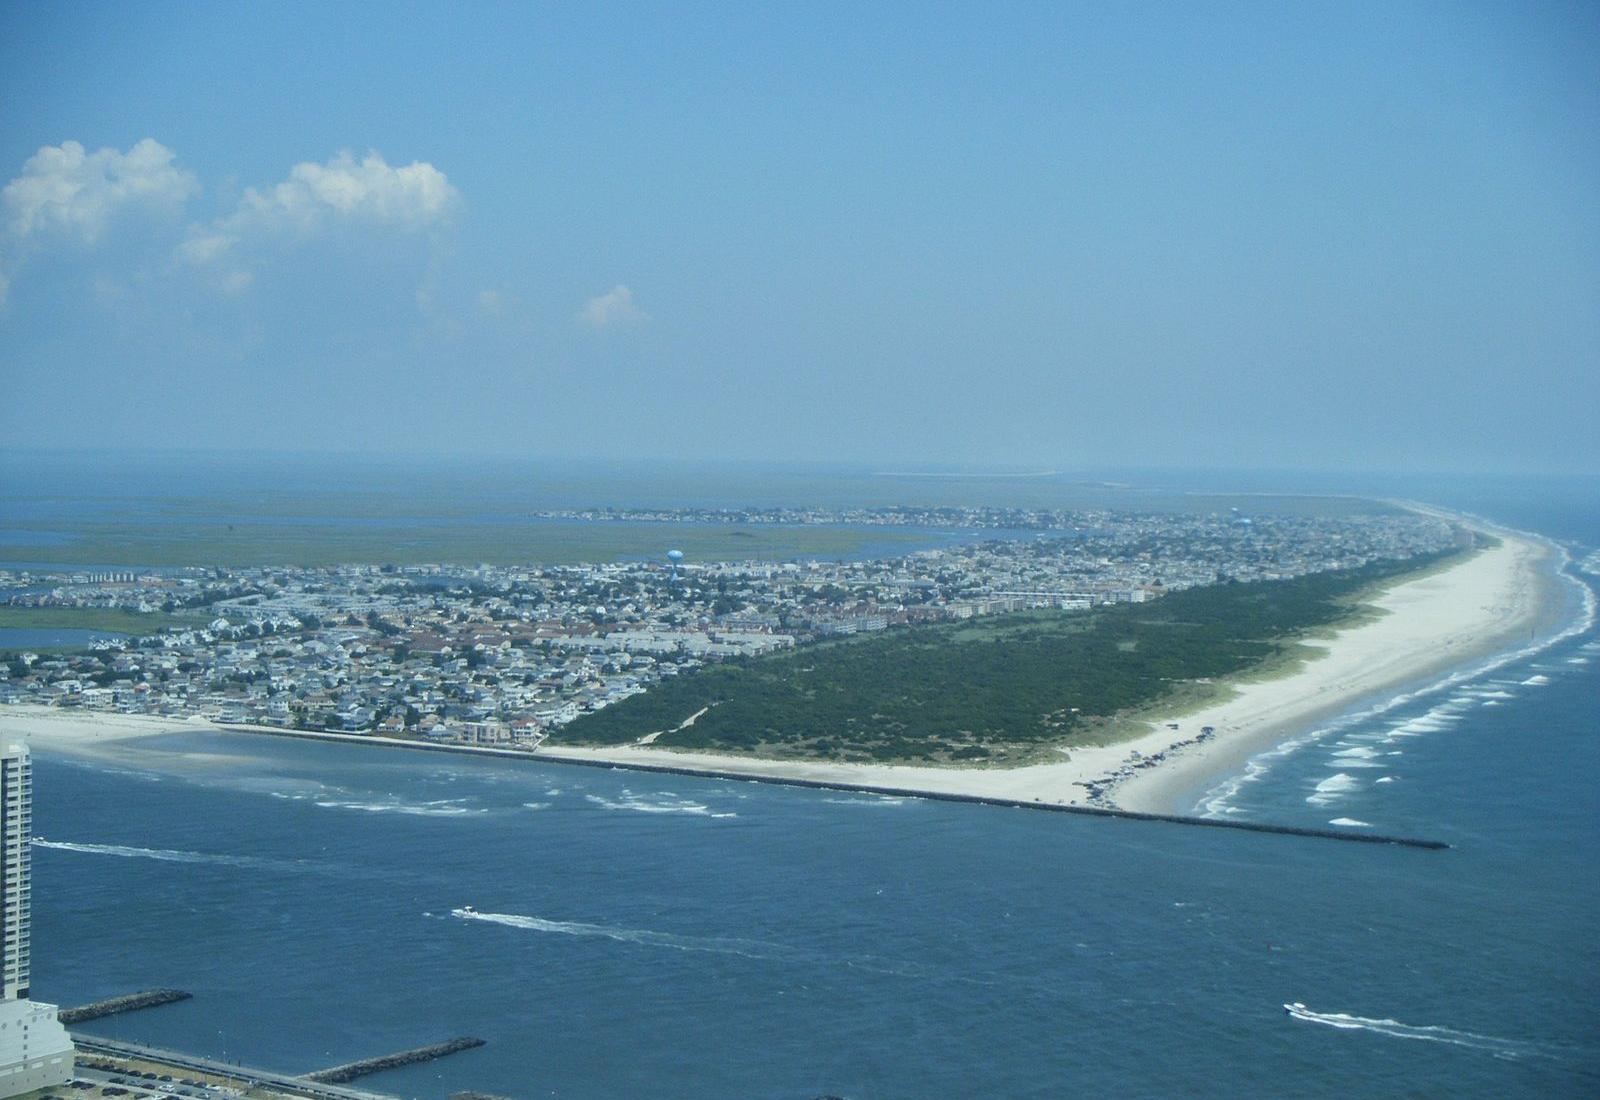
(35, 1050)
(16, 860)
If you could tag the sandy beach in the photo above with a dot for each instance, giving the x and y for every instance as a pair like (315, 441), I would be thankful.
(1492, 601)
(1489, 602)
(88, 731)
(1496, 600)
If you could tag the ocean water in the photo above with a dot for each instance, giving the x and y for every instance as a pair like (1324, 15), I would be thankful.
(636, 935)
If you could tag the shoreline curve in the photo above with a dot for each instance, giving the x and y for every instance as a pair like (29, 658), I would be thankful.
(1428, 627)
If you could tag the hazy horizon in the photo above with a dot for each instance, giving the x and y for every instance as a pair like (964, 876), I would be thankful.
(929, 464)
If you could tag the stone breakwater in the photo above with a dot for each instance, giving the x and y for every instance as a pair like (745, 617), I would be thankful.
(338, 1075)
(127, 1003)
(664, 768)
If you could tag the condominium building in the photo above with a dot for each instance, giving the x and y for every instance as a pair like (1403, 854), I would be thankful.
(35, 1050)
(16, 866)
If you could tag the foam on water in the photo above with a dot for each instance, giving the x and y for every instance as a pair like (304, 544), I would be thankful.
(1332, 787)
(1500, 1048)
(1218, 801)
(666, 804)
(1428, 723)
(442, 808)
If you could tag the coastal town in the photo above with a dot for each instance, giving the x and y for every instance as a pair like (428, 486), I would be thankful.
(506, 656)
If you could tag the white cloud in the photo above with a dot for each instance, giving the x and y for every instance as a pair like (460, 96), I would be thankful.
(66, 192)
(371, 190)
(64, 188)
(613, 308)
(204, 246)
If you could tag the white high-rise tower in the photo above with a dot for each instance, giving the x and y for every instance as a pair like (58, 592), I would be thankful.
(16, 860)
(35, 1050)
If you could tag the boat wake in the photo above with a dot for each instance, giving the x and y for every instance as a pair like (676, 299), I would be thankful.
(169, 855)
(752, 949)
(1492, 1044)
(716, 945)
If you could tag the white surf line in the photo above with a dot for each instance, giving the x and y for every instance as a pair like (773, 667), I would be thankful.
(1217, 802)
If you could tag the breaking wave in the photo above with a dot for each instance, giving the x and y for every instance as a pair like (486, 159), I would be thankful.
(1219, 800)
(1359, 752)
(1332, 787)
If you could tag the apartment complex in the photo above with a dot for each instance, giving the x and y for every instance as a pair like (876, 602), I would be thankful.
(35, 1050)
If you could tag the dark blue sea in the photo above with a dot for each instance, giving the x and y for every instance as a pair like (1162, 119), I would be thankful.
(636, 935)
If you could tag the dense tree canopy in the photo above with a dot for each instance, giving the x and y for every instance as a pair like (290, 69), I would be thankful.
(986, 688)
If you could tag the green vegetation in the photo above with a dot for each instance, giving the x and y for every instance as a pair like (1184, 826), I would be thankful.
(110, 620)
(1000, 689)
(554, 542)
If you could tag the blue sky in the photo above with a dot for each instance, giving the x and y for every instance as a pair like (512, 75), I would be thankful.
(1317, 236)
